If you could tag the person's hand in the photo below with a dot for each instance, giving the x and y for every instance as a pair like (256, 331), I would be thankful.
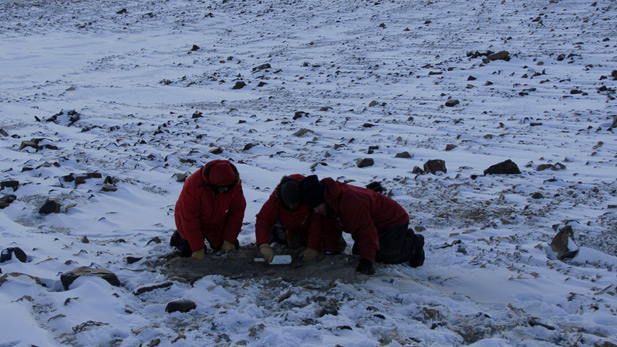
(365, 267)
(199, 254)
(228, 247)
(266, 252)
(309, 254)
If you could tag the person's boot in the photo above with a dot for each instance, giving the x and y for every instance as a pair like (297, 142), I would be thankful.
(417, 257)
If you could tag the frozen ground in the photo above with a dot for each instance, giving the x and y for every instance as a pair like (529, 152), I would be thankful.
(141, 92)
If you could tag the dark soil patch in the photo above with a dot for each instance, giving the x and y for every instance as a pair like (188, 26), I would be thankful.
(240, 265)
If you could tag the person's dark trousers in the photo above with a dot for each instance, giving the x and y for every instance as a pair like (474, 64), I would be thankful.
(180, 244)
(399, 244)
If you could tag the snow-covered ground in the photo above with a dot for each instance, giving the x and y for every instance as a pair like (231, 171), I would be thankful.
(130, 94)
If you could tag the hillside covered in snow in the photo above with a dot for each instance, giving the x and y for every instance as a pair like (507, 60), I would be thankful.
(107, 106)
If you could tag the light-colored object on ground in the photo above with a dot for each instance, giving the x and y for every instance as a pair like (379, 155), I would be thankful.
(277, 260)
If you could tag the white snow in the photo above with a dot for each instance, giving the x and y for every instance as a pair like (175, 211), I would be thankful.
(490, 277)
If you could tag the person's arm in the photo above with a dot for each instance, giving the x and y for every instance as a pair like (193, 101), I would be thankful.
(265, 220)
(235, 216)
(188, 212)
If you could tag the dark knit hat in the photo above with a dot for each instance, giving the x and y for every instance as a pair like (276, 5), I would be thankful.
(221, 174)
(289, 193)
(311, 191)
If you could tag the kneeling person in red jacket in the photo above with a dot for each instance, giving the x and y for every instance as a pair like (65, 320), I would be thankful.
(284, 218)
(211, 206)
(378, 224)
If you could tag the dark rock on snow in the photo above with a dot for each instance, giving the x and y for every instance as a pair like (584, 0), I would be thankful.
(376, 187)
(507, 167)
(366, 162)
(180, 306)
(561, 244)
(145, 289)
(9, 184)
(435, 165)
(404, 155)
(239, 85)
(452, 103)
(6, 200)
(50, 206)
(7, 254)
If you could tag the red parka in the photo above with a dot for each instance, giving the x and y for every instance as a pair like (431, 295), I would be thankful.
(301, 222)
(203, 212)
(363, 213)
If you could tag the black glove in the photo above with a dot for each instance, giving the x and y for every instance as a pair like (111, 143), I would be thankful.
(365, 267)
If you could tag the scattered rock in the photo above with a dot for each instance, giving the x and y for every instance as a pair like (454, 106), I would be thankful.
(50, 206)
(614, 125)
(70, 276)
(373, 103)
(5, 278)
(180, 306)
(38, 144)
(303, 132)
(537, 195)
(452, 103)
(507, 167)
(7, 254)
(28, 143)
(376, 187)
(503, 55)
(9, 184)
(181, 177)
(366, 162)
(216, 150)
(67, 118)
(82, 178)
(543, 167)
(404, 155)
(194, 48)
(535, 321)
(450, 147)
(239, 85)
(6, 200)
(327, 306)
(133, 260)
(249, 146)
(196, 115)
(262, 67)
(563, 243)
(300, 114)
(490, 56)
(417, 171)
(85, 240)
(146, 289)
(155, 239)
(614, 75)
(4, 133)
(554, 167)
(122, 11)
(435, 165)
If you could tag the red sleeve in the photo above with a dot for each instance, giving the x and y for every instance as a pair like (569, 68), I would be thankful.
(235, 215)
(189, 212)
(266, 218)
